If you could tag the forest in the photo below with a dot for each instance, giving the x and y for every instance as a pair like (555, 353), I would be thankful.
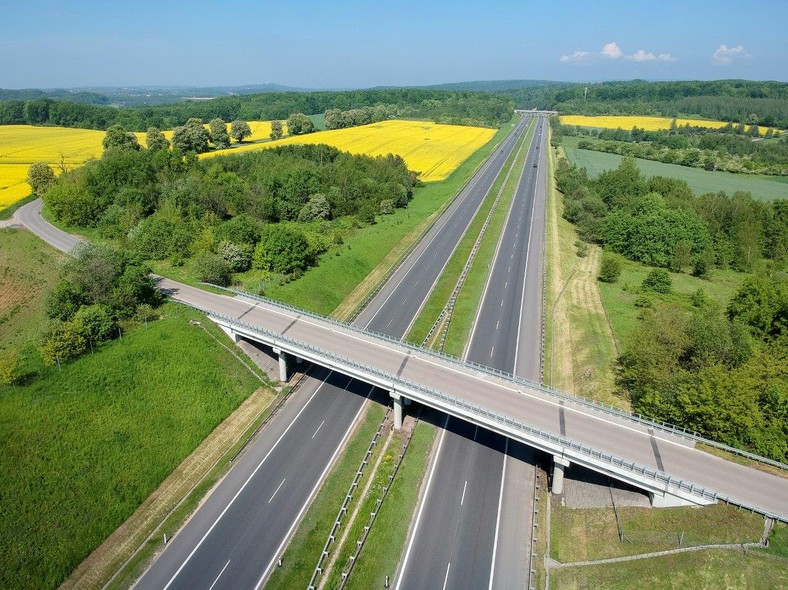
(721, 372)
(272, 210)
(441, 106)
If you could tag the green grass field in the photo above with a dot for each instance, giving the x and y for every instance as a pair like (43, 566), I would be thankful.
(80, 448)
(700, 181)
(619, 298)
(325, 286)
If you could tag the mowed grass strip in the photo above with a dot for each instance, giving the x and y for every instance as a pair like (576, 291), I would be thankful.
(324, 287)
(305, 547)
(470, 295)
(590, 534)
(700, 181)
(386, 541)
(83, 447)
(711, 569)
(451, 274)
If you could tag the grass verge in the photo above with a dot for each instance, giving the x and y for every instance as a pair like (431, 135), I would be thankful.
(386, 541)
(592, 533)
(70, 478)
(8, 212)
(702, 570)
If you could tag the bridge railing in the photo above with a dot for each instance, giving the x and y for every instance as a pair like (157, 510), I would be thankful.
(552, 443)
(560, 395)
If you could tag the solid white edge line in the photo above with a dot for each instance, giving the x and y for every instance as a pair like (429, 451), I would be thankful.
(238, 493)
(402, 569)
(308, 501)
(220, 574)
(498, 518)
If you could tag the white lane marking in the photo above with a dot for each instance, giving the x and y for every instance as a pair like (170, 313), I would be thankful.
(308, 501)
(318, 428)
(242, 488)
(421, 506)
(220, 574)
(506, 284)
(492, 350)
(498, 518)
(276, 490)
(501, 302)
(464, 487)
(446, 579)
(497, 324)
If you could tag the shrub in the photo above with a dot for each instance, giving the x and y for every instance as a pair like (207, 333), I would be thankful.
(237, 256)
(62, 341)
(9, 367)
(212, 268)
(610, 269)
(96, 322)
(282, 249)
(658, 280)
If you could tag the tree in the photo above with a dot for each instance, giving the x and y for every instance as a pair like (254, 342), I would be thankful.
(40, 177)
(155, 140)
(299, 124)
(62, 341)
(64, 300)
(276, 130)
(212, 268)
(117, 138)
(316, 208)
(191, 137)
(241, 229)
(239, 130)
(282, 249)
(658, 280)
(72, 204)
(96, 321)
(237, 256)
(219, 136)
(610, 269)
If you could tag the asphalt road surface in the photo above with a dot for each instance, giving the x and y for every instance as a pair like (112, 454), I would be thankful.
(473, 526)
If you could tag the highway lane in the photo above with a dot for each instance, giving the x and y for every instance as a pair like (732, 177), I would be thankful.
(240, 544)
(455, 543)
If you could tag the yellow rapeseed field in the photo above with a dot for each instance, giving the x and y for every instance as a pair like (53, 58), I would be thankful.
(431, 149)
(22, 145)
(628, 122)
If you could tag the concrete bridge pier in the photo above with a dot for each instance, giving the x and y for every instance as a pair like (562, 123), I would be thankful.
(559, 465)
(399, 403)
(282, 364)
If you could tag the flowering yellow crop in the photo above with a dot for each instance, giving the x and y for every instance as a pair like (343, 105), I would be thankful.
(647, 123)
(431, 149)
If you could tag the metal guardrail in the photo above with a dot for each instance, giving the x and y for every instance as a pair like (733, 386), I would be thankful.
(560, 395)
(550, 440)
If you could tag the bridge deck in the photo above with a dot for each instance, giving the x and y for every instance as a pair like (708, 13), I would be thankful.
(397, 365)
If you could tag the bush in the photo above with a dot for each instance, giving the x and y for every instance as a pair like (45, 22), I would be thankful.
(9, 367)
(658, 280)
(237, 256)
(62, 341)
(96, 321)
(610, 269)
(283, 250)
(212, 268)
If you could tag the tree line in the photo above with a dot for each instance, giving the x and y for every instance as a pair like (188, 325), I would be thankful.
(274, 210)
(458, 107)
(733, 148)
(720, 371)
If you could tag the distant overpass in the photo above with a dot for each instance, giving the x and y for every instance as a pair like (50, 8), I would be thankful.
(655, 457)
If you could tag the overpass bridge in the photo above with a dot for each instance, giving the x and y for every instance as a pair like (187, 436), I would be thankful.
(652, 456)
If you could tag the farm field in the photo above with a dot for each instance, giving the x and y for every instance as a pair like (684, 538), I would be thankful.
(641, 122)
(700, 181)
(431, 149)
(22, 145)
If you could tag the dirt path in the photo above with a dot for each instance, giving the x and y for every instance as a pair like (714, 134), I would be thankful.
(108, 557)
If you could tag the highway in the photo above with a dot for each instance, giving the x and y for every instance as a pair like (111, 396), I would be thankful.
(236, 537)
(472, 528)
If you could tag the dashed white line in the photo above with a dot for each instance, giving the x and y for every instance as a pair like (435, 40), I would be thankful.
(464, 487)
(318, 428)
(277, 490)
(492, 350)
(220, 574)
(446, 579)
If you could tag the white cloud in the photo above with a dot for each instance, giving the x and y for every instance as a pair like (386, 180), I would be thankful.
(612, 50)
(642, 55)
(725, 55)
(576, 57)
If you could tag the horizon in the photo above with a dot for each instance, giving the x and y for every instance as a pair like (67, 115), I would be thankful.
(348, 45)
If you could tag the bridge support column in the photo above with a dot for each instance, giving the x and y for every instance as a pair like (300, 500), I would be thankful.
(399, 402)
(559, 465)
(282, 364)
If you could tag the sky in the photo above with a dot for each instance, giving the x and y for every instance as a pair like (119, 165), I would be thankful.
(358, 44)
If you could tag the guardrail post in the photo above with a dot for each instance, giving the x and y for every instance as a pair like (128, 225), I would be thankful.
(559, 465)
